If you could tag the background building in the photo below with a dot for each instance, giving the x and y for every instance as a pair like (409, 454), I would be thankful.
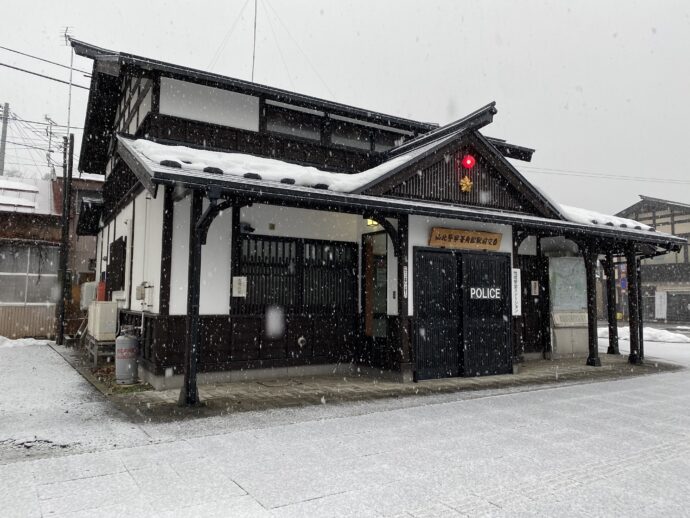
(666, 278)
(29, 254)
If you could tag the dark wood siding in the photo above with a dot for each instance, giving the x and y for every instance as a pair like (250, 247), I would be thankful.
(169, 129)
(440, 182)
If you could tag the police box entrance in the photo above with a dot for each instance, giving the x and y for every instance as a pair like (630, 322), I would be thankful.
(462, 313)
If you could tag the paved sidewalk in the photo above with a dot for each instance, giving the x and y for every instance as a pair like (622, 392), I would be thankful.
(302, 391)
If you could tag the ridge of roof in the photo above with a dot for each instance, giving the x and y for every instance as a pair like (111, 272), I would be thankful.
(666, 202)
(96, 53)
(481, 116)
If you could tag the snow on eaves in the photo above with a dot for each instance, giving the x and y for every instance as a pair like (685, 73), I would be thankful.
(269, 169)
(273, 170)
(589, 217)
(13, 201)
(10, 185)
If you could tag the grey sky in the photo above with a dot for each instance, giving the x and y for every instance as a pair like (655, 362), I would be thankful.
(599, 87)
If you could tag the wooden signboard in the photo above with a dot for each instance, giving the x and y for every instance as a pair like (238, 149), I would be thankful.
(464, 239)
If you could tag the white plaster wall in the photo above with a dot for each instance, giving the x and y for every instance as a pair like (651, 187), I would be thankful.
(100, 252)
(420, 228)
(148, 245)
(179, 262)
(215, 266)
(207, 104)
(214, 296)
(302, 223)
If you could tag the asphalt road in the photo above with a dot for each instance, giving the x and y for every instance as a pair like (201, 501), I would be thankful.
(610, 448)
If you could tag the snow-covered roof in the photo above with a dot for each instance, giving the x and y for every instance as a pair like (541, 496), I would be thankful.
(12, 185)
(270, 169)
(589, 217)
(15, 201)
(27, 195)
(190, 174)
(92, 177)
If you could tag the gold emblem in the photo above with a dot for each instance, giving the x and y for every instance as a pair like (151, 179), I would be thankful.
(465, 184)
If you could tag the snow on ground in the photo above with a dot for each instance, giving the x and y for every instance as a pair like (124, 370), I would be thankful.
(650, 335)
(618, 448)
(21, 342)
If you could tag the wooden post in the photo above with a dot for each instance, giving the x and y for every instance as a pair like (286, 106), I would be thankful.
(544, 300)
(404, 342)
(610, 270)
(590, 257)
(640, 306)
(633, 306)
(189, 395)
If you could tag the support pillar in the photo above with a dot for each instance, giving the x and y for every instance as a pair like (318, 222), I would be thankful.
(590, 257)
(189, 395)
(610, 271)
(544, 301)
(633, 306)
(406, 353)
(640, 306)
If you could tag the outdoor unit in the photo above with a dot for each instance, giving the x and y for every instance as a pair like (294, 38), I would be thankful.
(102, 324)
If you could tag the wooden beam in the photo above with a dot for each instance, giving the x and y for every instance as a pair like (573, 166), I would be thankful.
(590, 256)
(633, 306)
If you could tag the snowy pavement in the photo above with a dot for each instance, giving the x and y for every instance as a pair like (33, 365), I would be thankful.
(610, 448)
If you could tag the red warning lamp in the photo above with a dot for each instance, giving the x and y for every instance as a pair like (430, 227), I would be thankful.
(468, 161)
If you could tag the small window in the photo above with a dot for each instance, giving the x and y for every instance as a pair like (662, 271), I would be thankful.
(294, 123)
(384, 140)
(351, 135)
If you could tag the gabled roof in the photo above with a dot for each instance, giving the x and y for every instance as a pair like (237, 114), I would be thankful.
(646, 201)
(105, 87)
(466, 128)
(152, 173)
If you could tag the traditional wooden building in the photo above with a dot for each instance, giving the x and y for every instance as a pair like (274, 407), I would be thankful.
(665, 278)
(251, 231)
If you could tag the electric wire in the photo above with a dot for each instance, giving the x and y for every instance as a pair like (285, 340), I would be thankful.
(606, 176)
(43, 59)
(280, 51)
(226, 38)
(42, 75)
(300, 49)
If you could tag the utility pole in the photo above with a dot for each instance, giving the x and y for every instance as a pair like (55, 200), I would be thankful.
(67, 164)
(3, 138)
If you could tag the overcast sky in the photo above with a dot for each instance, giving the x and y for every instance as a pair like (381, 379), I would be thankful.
(600, 88)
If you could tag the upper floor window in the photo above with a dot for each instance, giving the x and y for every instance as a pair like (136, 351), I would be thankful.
(294, 123)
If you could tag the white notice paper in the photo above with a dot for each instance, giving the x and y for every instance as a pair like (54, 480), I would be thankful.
(516, 293)
(239, 286)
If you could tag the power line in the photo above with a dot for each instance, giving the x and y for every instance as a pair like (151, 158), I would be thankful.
(226, 38)
(55, 125)
(41, 75)
(300, 49)
(26, 145)
(280, 52)
(607, 176)
(43, 59)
